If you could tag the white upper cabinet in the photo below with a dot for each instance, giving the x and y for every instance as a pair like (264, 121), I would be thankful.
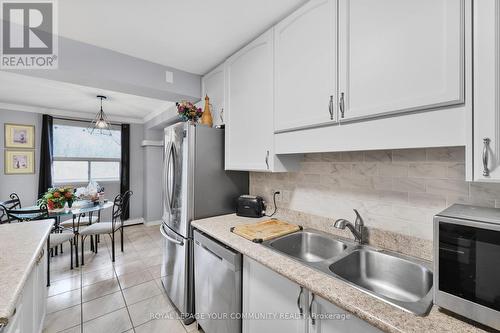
(399, 56)
(249, 113)
(305, 66)
(212, 85)
(486, 133)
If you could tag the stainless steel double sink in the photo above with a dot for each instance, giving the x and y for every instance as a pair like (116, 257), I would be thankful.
(396, 279)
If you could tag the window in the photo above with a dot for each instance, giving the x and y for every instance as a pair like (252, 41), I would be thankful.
(80, 156)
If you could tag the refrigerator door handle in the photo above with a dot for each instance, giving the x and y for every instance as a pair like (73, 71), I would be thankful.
(170, 239)
(165, 177)
(170, 176)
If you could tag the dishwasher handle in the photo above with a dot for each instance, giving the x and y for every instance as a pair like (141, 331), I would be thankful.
(218, 250)
(208, 250)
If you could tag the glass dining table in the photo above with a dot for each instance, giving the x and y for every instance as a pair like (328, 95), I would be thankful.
(76, 212)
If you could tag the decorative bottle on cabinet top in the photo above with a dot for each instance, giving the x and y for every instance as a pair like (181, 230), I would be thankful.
(206, 118)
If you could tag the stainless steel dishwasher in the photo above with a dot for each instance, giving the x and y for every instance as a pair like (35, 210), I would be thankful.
(217, 285)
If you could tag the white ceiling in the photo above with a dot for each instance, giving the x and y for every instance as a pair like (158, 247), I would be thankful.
(27, 93)
(191, 35)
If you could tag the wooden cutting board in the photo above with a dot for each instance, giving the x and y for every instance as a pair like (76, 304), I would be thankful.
(265, 230)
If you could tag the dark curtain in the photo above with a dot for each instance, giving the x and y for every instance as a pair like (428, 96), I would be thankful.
(125, 165)
(46, 150)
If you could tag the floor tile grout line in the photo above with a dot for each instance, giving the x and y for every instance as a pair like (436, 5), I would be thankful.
(124, 300)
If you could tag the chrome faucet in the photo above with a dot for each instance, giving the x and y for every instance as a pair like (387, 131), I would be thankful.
(357, 229)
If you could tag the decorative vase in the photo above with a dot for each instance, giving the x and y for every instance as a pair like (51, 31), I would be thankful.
(70, 203)
(206, 118)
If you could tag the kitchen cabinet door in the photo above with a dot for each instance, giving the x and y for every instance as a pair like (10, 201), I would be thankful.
(400, 56)
(267, 292)
(249, 138)
(326, 317)
(486, 133)
(305, 66)
(212, 85)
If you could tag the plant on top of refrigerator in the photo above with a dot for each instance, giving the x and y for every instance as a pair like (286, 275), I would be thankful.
(188, 111)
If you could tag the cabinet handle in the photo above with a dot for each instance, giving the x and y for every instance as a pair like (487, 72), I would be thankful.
(330, 107)
(342, 105)
(267, 159)
(313, 320)
(486, 144)
(301, 310)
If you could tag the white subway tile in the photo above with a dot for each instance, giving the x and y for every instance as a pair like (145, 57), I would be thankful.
(428, 170)
(449, 154)
(384, 156)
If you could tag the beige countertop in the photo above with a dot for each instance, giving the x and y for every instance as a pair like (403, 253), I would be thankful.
(20, 245)
(378, 313)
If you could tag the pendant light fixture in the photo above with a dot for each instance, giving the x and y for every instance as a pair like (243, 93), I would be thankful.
(100, 124)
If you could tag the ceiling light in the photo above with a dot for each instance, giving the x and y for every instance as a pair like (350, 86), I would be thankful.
(100, 124)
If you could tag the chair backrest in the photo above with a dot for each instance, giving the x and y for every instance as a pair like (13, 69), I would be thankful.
(13, 203)
(120, 205)
(4, 217)
(39, 213)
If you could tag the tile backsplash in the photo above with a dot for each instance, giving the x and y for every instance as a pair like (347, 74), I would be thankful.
(395, 190)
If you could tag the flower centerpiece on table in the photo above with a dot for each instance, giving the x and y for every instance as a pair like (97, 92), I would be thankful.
(55, 198)
(188, 111)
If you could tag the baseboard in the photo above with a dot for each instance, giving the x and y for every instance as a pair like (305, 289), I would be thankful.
(150, 223)
(136, 221)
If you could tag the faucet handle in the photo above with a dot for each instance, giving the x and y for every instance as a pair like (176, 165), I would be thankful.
(359, 219)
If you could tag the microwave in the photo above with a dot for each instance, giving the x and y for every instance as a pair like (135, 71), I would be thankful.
(467, 262)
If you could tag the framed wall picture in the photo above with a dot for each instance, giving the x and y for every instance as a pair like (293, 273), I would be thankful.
(19, 136)
(18, 162)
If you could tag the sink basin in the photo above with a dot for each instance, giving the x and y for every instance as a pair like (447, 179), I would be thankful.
(393, 278)
(308, 246)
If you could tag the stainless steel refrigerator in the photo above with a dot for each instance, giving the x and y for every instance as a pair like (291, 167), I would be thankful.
(195, 186)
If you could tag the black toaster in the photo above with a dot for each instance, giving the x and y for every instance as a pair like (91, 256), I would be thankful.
(251, 206)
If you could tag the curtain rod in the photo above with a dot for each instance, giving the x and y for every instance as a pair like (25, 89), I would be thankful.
(83, 120)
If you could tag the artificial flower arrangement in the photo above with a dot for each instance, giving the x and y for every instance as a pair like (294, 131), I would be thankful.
(188, 111)
(56, 198)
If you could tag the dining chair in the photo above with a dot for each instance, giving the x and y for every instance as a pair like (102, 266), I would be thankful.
(120, 205)
(13, 203)
(85, 219)
(26, 215)
(59, 238)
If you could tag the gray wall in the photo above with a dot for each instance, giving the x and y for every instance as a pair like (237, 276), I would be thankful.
(152, 177)
(26, 186)
(93, 66)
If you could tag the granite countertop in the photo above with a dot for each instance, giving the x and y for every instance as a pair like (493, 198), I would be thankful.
(20, 246)
(378, 313)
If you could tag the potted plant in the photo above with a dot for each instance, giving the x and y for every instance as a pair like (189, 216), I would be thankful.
(188, 111)
(56, 198)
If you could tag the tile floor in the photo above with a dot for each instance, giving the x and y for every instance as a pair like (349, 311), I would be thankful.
(112, 298)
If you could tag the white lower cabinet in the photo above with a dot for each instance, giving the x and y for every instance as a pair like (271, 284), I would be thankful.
(31, 307)
(266, 293)
(327, 317)
(272, 303)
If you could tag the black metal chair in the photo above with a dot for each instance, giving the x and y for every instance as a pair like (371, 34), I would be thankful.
(120, 205)
(13, 203)
(26, 215)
